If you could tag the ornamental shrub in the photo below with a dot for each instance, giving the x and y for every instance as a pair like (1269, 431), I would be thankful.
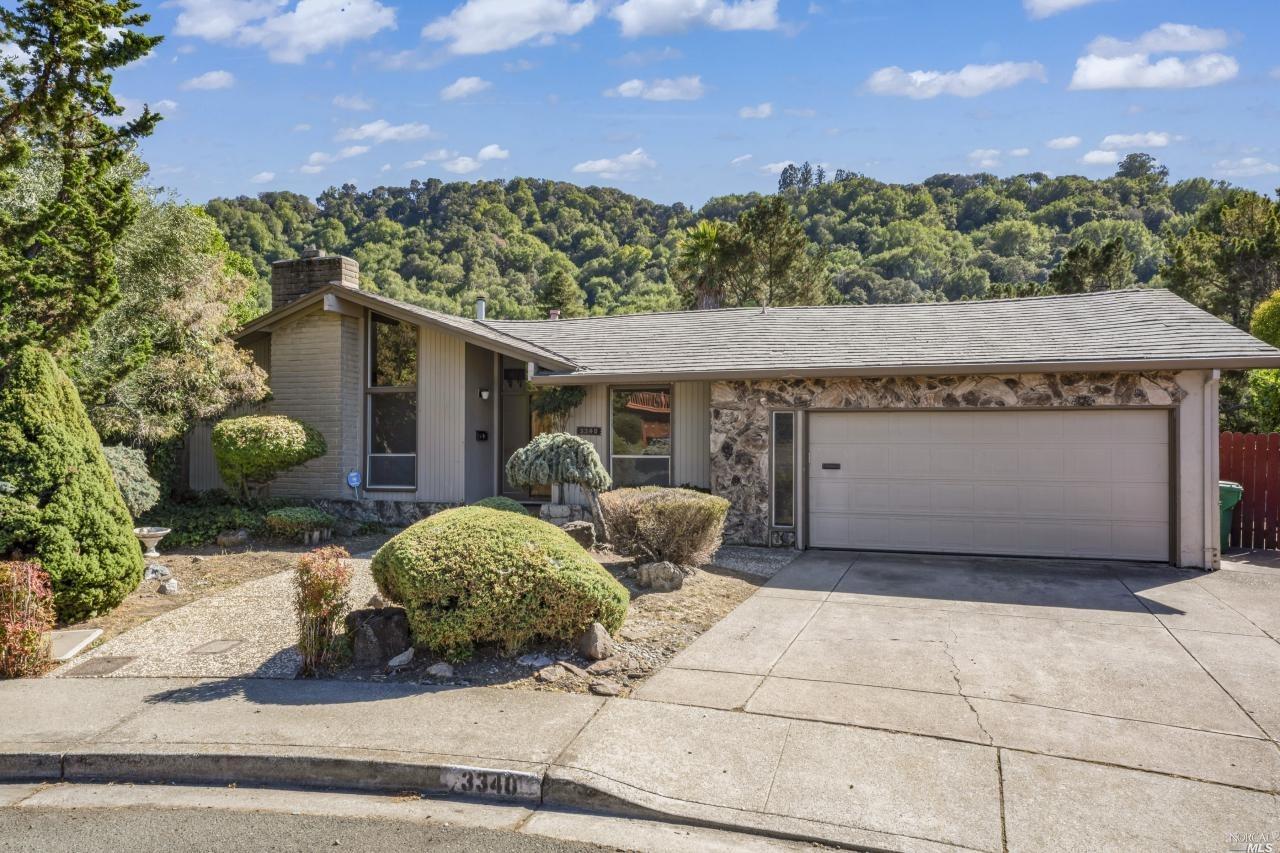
(129, 469)
(555, 458)
(321, 599)
(295, 522)
(198, 521)
(681, 526)
(61, 507)
(253, 449)
(26, 616)
(504, 504)
(478, 575)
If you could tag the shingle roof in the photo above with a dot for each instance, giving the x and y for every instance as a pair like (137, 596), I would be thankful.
(1116, 330)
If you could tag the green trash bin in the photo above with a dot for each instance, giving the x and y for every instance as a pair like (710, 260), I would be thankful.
(1229, 494)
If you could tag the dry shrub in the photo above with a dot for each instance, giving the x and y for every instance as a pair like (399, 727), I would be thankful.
(654, 523)
(26, 617)
(321, 602)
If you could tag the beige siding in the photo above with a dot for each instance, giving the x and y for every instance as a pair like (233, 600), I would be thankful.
(691, 434)
(593, 411)
(441, 416)
(202, 472)
(312, 366)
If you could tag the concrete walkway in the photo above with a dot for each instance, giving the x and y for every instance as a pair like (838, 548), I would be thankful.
(898, 703)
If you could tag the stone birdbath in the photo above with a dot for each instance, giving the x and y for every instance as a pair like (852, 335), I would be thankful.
(150, 537)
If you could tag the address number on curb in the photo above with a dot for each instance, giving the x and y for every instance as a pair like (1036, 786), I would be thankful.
(507, 784)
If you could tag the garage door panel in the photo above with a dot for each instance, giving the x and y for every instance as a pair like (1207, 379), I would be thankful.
(993, 482)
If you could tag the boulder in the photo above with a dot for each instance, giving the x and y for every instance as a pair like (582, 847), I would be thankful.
(595, 643)
(660, 577)
(401, 660)
(582, 532)
(440, 670)
(233, 538)
(377, 634)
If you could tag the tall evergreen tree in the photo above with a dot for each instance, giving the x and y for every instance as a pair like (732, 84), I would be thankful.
(1087, 268)
(57, 272)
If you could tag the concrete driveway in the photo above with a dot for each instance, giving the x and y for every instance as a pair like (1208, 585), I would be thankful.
(1075, 704)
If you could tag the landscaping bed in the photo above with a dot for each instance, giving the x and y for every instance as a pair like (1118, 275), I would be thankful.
(657, 626)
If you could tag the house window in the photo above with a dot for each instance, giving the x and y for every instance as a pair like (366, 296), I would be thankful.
(782, 460)
(640, 437)
(392, 398)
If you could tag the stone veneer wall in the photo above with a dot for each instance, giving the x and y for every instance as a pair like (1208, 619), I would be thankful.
(740, 417)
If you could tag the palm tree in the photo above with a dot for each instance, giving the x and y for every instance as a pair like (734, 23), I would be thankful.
(701, 265)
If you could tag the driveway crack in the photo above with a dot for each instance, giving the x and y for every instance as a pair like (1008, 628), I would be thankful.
(949, 650)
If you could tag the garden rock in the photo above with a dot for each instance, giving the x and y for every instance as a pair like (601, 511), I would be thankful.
(169, 587)
(574, 669)
(562, 515)
(233, 538)
(582, 532)
(535, 661)
(440, 670)
(401, 660)
(377, 634)
(660, 577)
(595, 643)
(156, 572)
(604, 687)
(604, 667)
(549, 674)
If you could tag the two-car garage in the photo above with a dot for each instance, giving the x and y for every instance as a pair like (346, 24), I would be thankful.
(1062, 483)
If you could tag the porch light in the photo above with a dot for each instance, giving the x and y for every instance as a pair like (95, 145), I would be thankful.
(484, 393)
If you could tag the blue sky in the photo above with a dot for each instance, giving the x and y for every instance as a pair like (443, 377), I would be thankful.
(681, 100)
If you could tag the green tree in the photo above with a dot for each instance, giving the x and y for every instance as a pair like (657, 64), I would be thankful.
(704, 265)
(58, 502)
(562, 292)
(775, 261)
(57, 269)
(1087, 268)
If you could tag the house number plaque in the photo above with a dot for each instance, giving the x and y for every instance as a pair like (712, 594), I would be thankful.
(582, 430)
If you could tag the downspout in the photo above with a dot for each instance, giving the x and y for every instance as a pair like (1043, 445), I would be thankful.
(1212, 554)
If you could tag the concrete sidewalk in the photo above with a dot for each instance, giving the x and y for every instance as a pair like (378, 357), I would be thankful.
(838, 784)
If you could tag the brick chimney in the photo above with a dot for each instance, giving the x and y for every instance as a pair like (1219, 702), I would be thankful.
(293, 279)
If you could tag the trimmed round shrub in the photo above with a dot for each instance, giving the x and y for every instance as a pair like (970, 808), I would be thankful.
(295, 522)
(504, 504)
(253, 449)
(61, 507)
(129, 469)
(476, 575)
(557, 457)
(680, 526)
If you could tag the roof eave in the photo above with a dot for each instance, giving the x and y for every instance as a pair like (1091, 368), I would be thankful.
(951, 369)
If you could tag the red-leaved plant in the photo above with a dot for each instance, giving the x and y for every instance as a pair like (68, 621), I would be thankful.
(26, 617)
(320, 600)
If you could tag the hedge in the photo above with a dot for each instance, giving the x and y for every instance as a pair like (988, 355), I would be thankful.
(477, 575)
(295, 522)
(681, 526)
(253, 449)
(502, 503)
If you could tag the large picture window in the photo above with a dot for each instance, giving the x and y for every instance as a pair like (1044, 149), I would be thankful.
(392, 397)
(640, 436)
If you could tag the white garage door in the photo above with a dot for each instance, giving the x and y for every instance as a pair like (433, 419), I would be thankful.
(1079, 483)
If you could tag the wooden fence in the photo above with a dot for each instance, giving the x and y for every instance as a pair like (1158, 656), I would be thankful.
(1253, 461)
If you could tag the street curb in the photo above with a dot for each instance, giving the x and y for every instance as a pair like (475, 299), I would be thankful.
(30, 766)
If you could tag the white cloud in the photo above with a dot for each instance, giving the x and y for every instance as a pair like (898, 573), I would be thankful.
(985, 158)
(464, 87)
(352, 102)
(485, 26)
(968, 82)
(776, 168)
(518, 66)
(431, 157)
(1100, 158)
(263, 178)
(739, 160)
(286, 34)
(623, 166)
(648, 57)
(663, 89)
(385, 167)
(319, 159)
(493, 152)
(1166, 38)
(166, 105)
(758, 111)
(658, 17)
(211, 80)
(1020, 152)
(1139, 72)
(301, 127)
(1061, 143)
(462, 165)
(1045, 8)
(1112, 63)
(384, 131)
(1129, 141)
(1245, 167)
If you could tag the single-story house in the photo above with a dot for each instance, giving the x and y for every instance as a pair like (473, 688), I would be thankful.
(1069, 426)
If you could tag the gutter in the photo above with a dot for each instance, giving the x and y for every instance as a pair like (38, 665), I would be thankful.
(1212, 518)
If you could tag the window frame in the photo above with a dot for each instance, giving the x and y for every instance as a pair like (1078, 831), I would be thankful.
(773, 468)
(670, 455)
(371, 391)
